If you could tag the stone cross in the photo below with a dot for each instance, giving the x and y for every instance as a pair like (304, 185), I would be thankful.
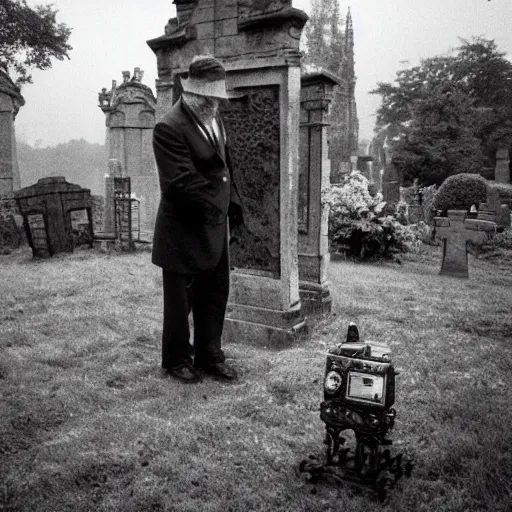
(456, 231)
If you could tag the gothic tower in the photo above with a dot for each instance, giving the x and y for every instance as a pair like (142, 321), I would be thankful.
(350, 81)
(344, 129)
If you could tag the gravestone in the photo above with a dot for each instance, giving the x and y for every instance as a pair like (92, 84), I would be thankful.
(364, 164)
(258, 42)
(494, 210)
(10, 102)
(314, 176)
(502, 169)
(109, 218)
(456, 231)
(47, 209)
(390, 179)
(130, 118)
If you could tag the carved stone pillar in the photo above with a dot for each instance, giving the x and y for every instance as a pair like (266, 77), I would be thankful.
(258, 42)
(314, 176)
(130, 119)
(10, 102)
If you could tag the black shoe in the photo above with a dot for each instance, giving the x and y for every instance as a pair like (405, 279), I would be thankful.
(221, 371)
(185, 373)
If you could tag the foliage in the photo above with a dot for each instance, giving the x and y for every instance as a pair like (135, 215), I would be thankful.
(461, 191)
(324, 36)
(453, 110)
(78, 161)
(357, 224)
(329, 46)
(440, 140)
(10, 236)
(29, 38)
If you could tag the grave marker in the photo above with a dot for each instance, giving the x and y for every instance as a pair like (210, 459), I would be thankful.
(258, 43)
(456, 231)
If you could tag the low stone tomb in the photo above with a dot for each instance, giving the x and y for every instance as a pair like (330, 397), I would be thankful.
(456, 231)
(47, 209)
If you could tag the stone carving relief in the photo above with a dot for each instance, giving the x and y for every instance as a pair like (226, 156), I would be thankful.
(253, 128)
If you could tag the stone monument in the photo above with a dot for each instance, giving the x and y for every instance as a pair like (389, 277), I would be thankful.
(314, 176)
(130, 119)
(390, 177)
(47, 209)
(258, 42)
(456, 231)
(10, 102)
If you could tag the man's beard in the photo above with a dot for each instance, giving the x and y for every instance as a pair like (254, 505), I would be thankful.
(204, 107)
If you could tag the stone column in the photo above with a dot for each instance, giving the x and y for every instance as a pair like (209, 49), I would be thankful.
(314, 176)
(258, 42)
(10, 102)
(502, 170)
(130, 119)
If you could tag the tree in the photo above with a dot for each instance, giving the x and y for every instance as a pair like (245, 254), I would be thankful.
(30, 38)
(440, 139)
(453, 110)
(330, 46)
(324, 36)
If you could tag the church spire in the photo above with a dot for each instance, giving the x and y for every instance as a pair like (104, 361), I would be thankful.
(349, 31)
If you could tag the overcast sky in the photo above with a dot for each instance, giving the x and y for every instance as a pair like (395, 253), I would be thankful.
(110, 36)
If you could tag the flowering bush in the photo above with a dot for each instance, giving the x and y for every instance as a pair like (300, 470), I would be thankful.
(357, 225)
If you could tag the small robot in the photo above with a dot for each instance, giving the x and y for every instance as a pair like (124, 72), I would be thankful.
(359, 391)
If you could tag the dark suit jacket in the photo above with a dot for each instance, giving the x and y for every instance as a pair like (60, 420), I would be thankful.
(197, 193)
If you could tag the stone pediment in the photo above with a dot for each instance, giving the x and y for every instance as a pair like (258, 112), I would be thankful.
(133, 92)
(233, 28)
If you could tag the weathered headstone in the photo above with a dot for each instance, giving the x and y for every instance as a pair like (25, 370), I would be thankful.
(109, 218)
(456, 231)
(504, 220)
(46, 208)
(314, 176)
(353, 163)
(494, 210)
(502, 169)
(364, 164)
(130, 119)
(390, 178)
(10, 102)
(258, 42)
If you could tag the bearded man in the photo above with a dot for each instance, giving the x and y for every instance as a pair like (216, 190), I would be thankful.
(199, 205)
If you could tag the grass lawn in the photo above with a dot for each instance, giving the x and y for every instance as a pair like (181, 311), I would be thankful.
(88, 423)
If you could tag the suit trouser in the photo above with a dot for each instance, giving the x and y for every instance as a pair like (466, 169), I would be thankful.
(206, 295)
